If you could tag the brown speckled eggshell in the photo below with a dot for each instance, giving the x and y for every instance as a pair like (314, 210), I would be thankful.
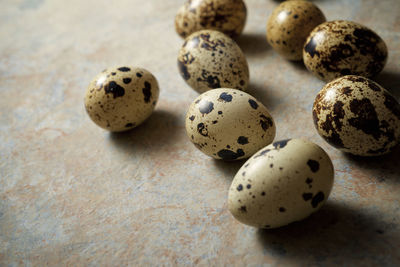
(210, 59)
(338, 48)
(121, 98)
(289, 26)
(358, 116)
(227, 16)
(229, 124)
(280, 184)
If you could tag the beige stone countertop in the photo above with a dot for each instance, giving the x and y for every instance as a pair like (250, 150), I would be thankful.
(73, 194)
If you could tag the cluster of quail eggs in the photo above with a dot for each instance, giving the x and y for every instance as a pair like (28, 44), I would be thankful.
(283, 181)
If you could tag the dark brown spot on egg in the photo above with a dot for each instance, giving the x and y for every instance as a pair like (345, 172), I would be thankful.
(366, 118)
(311, 47)
(114, 89)
(373, 86)
(367, 42)
(265, 122)
(313, 164)
(280, 144)
(318, 198)
(124, 69)
(346, 90)
(225, 97)
(183, 70)
(335, 140)
(229, 154)
(202, 129)
(262, 153)
(338, 114)
(253, 104)
(212, 81)
(127, 80)
(307, 196)
(242, 140)
(147, 92)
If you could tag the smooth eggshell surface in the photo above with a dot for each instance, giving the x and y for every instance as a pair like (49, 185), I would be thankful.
(121, 98)
(338, 48)
(210, 59)
(227, 16)
(289, 26)
(229, 124)
(280, 184)
(357, 115)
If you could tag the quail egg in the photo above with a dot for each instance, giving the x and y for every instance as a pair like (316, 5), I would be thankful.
(280, 184)
(338, 48)
(289, 25)
(121, 98)
(210, 59)
(229, 124)
(357, 115)
(227, 16)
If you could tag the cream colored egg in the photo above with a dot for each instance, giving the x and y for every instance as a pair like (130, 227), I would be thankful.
(289, 26)
(210, 59)
(358, 116)
(229, 124)
(121, 98)
(282, 183)
(338, 48)
(227, 16)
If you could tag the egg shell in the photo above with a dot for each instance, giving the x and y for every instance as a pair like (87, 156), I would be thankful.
(229, 124)
(280, 184)
(338, 48)
(121, 98)
(227, 16)
(358, 116)
(289, 26)
(210, 59)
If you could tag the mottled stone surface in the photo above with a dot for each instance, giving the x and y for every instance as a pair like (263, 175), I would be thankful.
(74, 194)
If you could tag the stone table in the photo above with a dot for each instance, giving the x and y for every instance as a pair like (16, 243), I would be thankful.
(74, 194)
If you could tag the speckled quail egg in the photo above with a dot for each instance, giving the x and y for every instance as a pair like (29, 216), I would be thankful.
(282, 183)
(357, 115)
(229, 124)
(338, 48)
(121, 98)
(210, 60)
(227, 16)
(289, 25)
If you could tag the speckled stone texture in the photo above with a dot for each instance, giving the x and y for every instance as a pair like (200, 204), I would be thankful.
(74, 194)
